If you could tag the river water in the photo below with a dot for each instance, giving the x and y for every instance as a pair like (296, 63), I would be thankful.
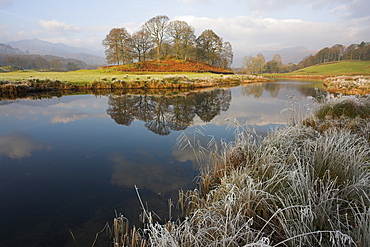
(68, 164)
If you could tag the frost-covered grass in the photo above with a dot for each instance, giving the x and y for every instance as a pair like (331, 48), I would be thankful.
(351, 113)
(348, 84)
(303, 185)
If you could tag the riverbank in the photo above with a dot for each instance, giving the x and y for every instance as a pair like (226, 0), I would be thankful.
(349, 85)
(346, 85)
(348, 77)
(306, 184)
(16, 88)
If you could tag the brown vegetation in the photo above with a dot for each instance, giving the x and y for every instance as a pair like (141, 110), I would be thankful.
(169, 65)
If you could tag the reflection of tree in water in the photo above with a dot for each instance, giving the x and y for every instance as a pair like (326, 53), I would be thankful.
(210, 104)
(313, 92)
(144, 108)
(258, 88)
(306, 89)
(273, 88)
(162, 114)
(158, 124)
(253, 89)
(183, 113)
(120, 109)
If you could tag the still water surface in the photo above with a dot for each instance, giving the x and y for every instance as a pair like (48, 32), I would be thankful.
(68, 163)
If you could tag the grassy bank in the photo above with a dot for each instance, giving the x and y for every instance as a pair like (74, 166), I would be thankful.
(349, 67)
(349, 85)
(303, 185)
(16, 84)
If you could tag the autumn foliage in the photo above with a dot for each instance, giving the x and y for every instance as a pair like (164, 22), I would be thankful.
(169, 65)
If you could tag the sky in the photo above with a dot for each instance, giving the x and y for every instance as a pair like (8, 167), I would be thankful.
(247, 24)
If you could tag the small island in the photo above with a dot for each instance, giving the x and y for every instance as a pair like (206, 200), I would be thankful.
(165, 74)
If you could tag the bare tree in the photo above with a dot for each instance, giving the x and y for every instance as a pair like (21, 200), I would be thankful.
(209, 47)
(277, 58)
(157, 29)
(183, 38)
(141, 44)
(227, 56)
(117, 46)
(254, 64)
(337, 51)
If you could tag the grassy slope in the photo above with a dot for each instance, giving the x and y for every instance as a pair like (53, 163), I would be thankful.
(336, 69)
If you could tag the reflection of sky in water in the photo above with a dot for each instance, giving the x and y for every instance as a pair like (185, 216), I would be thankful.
(19, 145)
(65, 163)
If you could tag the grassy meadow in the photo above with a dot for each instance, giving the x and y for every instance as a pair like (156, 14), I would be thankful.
(84, 77)
(336, 69)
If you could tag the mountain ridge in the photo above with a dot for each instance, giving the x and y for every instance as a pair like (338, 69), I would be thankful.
(40, 47)
(7, 49)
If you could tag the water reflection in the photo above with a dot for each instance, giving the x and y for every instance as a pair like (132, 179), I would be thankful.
(274, 88)
(67, 162)
(149, 172)
(162, 114)
(20, 145)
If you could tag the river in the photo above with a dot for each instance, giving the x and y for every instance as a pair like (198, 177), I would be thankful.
(68, 164)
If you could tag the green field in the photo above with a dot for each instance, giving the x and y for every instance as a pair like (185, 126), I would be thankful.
(336, 69)
(82, 77)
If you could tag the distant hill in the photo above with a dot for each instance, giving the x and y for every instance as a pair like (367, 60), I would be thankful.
(40, 47)
(288, 55)
(41, 62)
(7, 49)
(170, 65)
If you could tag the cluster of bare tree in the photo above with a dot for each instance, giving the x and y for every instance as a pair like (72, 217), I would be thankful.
(338, 52)
(258, 65)
(160, 38)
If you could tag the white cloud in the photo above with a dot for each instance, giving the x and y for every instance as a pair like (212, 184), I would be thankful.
(353, 9)
(346, 8)
(66, 117)
(245, 32)
(55, 26)
(279, 24)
